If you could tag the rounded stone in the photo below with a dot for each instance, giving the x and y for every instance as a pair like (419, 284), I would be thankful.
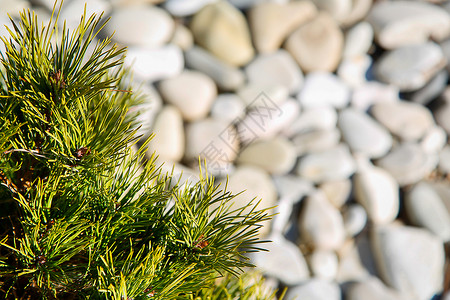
(358, 40)
(276, 68)
(355, 219)
(316, 141)
(416, 273)
(311, 119)
(226, 76)
(228, 107)
(182, 8)
(276, 156)
(182, 37)
(317, 289)
(333, 164)
(353, 70)
(324, 89)
(363, 134)
(371, 288)
(408, 163)
(321, 225)
(192, 92)
(168, 140)
(271, 23)
(324, 264)
(434, 140)
(444, 160)
(400, 23)
(426, 209)
(407, 120)
(371, 92)
(156, 64)
(337, 191)
(283, 260)
(155, 26)
(410, 67)
(222, 29)
(317, 45)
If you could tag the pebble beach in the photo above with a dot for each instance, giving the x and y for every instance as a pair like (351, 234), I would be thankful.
(336, 113)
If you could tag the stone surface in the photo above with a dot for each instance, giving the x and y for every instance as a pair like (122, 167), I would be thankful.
(432, 89)
(323, 264)
(324, 89)
(292, 187)
(408, 163)
(317, 289)
(434, 140)
(442, 112)
(359, 10)
(372, 92)
(333, 164)
(182, 37)
(410, 67)
(168, 141)
(276, 68)
(317, 45)
(337, 191)
(371, 289)
(321, 225)
(400, 23)
(353, 70)
(283, 260)
(409, 121)
(378, 192)
(226, 76)
(363, 134)
(358, 40)
(271, 23)
(222, 29)
(339, 9)
(155, 26)
(444, 160)
(314, 118)
(426, 209)
(276, 156)
(192, 92)
(74, 9)
(317, 140)
(355, 219)
(351, 267)
(257, 95)
(228, 107)
(418, 272)
(182, 8)
(156, 64)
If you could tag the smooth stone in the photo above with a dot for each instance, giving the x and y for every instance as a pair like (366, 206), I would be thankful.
(410, 67)
(72, 11)
(276, 156)
(426, 209)
(337, 191)
(256, 184)
(407, 120)
(432, 89)
(228, 107)
(118, 4)
(317, 289)
(378, 192)
(408, 163)
(271, 23)
(372, 92)
(359, 11)
(256, 94)
(409, 259)
(443, 189)
(275, 68)
(351, 267)
(292, 187)
(266, 120)
(226, 76)
(442, 112)
(324, 264)
(283, 260)
(314, 118)
(245, 4)
(155, 26)
(147, 110)
(214, 140)
(355, 219)
(371, 289)
(321, 224)
(192, 92)
(317, 45)
(182, 8)
(338, 9)
(155, 64)
(222, 29)
(358, 40)
(400, 23)
(363, 134)
(168, 141)
(434, 140)
(444, 160)
(353, 70)
(333, 164)
(445, 46)
(182, 37)
(324, 89)
(316, 141)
